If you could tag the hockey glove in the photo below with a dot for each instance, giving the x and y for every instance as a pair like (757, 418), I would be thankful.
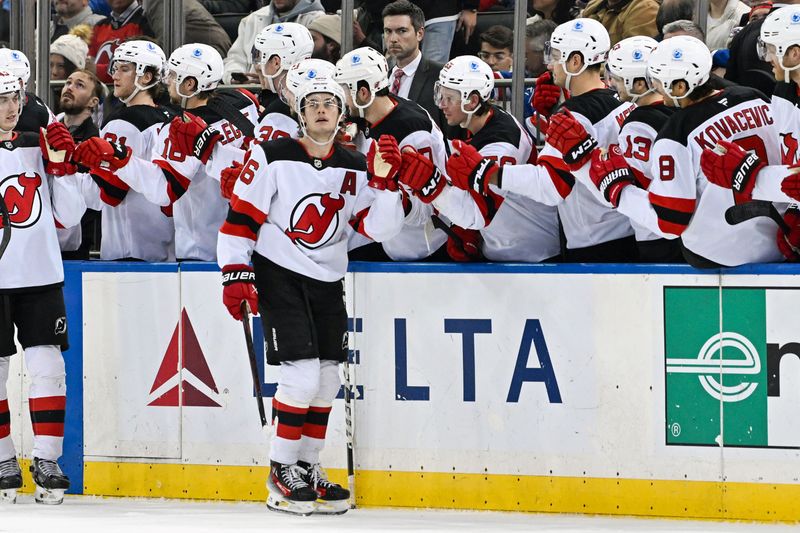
(545, 95)
(227, 179)
(789, 243)
(791, 184)
(383, 163)
(190, 135)
(470, 171)
(569, 137)
(610, 173)
(346, 136)
(419, 174)
(96, 152)
(238, 285)
(731, 167)
(464, 246)
(57, 147)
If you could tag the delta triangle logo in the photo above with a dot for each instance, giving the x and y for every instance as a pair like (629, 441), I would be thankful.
(185, 381)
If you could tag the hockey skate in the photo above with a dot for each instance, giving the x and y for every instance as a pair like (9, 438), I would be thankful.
(331, 498)
(10, 480)
(50, 481)
(288, 490)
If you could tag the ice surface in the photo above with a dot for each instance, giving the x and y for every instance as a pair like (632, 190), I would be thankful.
(81, 514)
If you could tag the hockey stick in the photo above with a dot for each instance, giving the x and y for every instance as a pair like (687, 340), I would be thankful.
(248, 338)
(6, 220)
(348, 423)
(737, 214)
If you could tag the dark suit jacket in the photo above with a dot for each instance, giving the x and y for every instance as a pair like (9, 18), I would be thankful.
(421, 90)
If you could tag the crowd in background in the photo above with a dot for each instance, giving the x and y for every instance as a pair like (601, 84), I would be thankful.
(84, 34)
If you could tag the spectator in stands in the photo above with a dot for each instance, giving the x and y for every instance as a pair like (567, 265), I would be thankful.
(624, 18)
(536, 35)
(217, 7)
(127, 19)
(199, 25)
(68, 52)
(413, 75)
(81, 96)
(71, 13)
(723, 16)
(443, 18)
(237, 62)
(687, 27)
(672, 10)
(497, 45)
(559, 11)
(327, 34)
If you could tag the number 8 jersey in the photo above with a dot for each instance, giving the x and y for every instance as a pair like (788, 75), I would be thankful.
(681, 202)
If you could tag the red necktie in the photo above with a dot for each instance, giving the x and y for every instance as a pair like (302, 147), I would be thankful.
(398, 77)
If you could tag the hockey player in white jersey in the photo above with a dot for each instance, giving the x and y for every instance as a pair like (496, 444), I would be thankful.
(35, 113)
(275, 49)
(681, 202)
(132, 227)
(626, 72)
(594, 232)
(289, 215)
(365, 75)
(513, 227)
(177, 174)
(40, 191)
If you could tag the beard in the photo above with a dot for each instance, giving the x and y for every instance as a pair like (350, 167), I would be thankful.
(71, 106)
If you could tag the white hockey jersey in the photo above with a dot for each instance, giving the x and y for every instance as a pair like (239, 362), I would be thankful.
(682, 202)
(295, 209)
(132, 227)
(513, 227)
(586, 217)
(276, 120)
(169, 178)
(36, 203)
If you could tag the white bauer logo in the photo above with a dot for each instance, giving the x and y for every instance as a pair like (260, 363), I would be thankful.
(709, 366)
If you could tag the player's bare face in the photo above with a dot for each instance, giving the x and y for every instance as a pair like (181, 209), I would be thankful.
(77, 92)
(557, 68)
(124, 77)
(321, 114)
(9, 110)
(449, 101)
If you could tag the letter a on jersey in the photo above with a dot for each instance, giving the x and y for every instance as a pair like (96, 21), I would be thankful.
(186, 382)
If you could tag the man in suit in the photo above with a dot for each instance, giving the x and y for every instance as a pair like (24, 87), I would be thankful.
(412, 76)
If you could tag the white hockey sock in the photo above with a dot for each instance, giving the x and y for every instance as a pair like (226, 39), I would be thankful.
(47, 399)
(316, 426)
(7, 450)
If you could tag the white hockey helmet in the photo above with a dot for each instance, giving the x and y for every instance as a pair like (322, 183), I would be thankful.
(143, 54)
(321, 85)
(290, 41)
(304, 71)
(9, 83)
(16, 63)
(467, 75)
(780, 29)
(363, 64)
(627, 60)
(680, 58)
(198, 61)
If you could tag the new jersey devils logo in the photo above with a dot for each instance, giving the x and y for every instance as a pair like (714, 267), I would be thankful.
(23, 199)
(315, 219)
(106, 53)
(788, 149)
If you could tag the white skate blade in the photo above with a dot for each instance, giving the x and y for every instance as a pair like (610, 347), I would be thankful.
(48, 496)
(332, 507)
(282, 505)
(8, 496)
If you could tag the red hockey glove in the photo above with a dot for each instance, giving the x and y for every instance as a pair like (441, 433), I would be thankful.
(227, 179)
(569, 137)
(791, 184)
(731, 167)
(383, 163)
(610, 173)
(238, 285)
(545, 94)
(96, 152)
(190, 135)
(789, 244)
(419, 174)
(57, 147)
(346, 135)
(467, 247)
(468, 170)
